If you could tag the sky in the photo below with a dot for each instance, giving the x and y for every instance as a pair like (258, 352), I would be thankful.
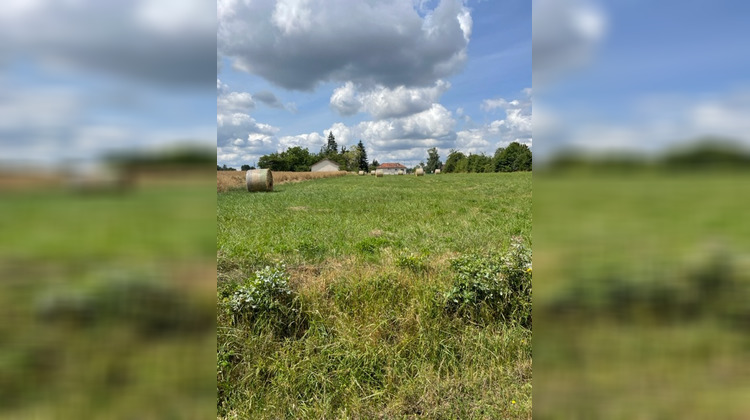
(401, 76)
(82, 78)
(615, 75)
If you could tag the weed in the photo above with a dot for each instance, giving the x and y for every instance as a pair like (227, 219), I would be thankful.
(497, 286)
(414, 262)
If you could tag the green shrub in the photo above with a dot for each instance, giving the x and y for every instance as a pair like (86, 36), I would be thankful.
(264, 300)
(492, 287)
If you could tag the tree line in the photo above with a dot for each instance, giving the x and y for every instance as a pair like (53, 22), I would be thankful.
(514, 157)
(298, 159)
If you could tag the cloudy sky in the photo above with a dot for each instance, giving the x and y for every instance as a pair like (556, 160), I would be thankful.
(638, 75)
(82, 78)
(402, 76)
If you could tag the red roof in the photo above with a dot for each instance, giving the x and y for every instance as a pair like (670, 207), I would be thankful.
(391, 166)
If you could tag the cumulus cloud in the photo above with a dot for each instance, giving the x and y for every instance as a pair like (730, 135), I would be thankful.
(516, 126)
(345, 99)
(566, 35)
(235, 102)
(297, 44)
(382, 102)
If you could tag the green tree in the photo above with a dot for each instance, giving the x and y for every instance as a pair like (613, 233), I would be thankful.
(479, 163)
(433, 160)
(456, 162)
(245, 167)
(363, 165)
(332, 148)
(515, 157)
(374, 165)
(349, 158)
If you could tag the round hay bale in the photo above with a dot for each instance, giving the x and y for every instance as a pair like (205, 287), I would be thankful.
(401, 172)
(379, 173)
(437, 171)
(419, 172)
(372, 173)
(259, 180)
(360, 173)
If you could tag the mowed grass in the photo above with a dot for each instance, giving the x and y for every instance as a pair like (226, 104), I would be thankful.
(661, 260)
(110, 256)
(369, 259)
(361, 216)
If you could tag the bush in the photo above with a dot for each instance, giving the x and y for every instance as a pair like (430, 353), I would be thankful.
(492, 287)
(264, 300)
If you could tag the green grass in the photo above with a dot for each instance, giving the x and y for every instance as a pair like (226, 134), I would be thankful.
(133, 260)
(368, 259)
(652, 269)
(348, 216)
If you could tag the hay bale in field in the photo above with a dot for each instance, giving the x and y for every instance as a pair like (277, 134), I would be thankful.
(373, 173)
(379, 173)
(360, 173)
(419, 172)
(401, 172)
(437, 171)
(259, 180)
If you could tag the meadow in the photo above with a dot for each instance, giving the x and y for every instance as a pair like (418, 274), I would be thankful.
(107, 301)
(388, 298)
(641, 294)
(235, 180)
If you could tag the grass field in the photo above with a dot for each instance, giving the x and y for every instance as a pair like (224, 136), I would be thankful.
(641, 295)
(106, 302)
(369, 262)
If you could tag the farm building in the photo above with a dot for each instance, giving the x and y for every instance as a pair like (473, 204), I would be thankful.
(325, 165)
(392, 168)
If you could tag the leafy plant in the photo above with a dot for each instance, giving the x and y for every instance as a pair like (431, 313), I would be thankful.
(498, 287)
(413, 262)
(265, 299)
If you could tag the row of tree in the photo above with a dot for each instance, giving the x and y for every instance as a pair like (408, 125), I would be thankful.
(297, 159)
(515, 157)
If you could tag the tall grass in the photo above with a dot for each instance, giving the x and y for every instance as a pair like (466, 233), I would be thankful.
(368, 262)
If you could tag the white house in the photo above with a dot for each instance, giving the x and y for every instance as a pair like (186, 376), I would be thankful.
(325, 165)
(392, 168)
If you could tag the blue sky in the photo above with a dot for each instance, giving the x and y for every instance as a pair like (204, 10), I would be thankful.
(83, 78)
(401, 76)
(649, 76)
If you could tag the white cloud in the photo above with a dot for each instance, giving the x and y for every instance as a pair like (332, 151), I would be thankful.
(516, 126)
(345, 99)
(292, 16)
(234, 102)
(297, 44)
(382, 102)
